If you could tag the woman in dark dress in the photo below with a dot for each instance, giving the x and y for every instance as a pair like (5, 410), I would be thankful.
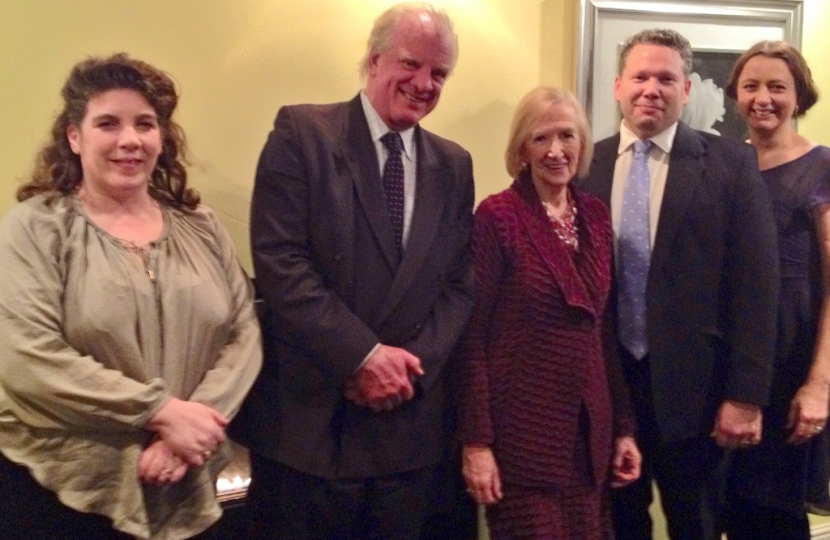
(545, 419)
(772, 486)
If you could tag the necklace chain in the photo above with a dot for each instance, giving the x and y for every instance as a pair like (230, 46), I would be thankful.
(142, 255)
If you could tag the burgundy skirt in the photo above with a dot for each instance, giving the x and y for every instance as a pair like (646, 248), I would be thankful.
(576, 511)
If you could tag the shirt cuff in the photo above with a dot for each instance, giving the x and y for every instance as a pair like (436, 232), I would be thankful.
(366, 358)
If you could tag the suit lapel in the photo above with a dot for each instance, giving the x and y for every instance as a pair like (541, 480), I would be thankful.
(426, 218)
(551, 250)
(429, 205)
(362, 161)
(685, 173)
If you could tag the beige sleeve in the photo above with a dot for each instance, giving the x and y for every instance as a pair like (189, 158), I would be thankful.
(44, 382)
(237, 365)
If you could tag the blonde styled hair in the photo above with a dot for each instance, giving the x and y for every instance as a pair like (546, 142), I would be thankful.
(527, 116)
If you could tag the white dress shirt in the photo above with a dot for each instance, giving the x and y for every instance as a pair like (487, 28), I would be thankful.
(658, 169)
(377, 128)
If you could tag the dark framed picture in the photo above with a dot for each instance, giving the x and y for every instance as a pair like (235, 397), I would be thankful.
(719, 30)
(709, 109)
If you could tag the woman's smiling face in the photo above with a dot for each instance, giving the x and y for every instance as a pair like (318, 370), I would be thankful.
(766, 94)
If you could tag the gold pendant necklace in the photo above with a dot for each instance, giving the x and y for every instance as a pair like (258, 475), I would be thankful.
(142, 255)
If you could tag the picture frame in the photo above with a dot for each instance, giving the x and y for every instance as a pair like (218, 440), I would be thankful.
(718, 30)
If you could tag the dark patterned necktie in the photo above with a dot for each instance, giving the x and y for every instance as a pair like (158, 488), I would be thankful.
(393, 184)
(634, 253)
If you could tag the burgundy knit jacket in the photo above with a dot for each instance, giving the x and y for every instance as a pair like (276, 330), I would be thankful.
(534, 349)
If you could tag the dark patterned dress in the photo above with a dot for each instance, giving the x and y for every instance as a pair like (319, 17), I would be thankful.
(538, 387)
(791, 478)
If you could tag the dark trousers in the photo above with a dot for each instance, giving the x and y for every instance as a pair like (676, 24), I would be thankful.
(687, 475)
(748, 520)
(28, 511)
(287, 504)
(453, 514)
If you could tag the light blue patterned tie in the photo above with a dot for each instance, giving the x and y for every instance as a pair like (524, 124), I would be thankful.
(634, 253)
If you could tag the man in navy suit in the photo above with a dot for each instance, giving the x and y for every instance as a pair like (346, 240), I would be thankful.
(365, 295)
(700, 366)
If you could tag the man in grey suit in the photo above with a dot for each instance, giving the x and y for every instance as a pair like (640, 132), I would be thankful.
(360, 230)
(696, 287)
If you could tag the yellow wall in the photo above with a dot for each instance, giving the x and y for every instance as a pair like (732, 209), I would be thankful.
(237, 61)
(814, 46)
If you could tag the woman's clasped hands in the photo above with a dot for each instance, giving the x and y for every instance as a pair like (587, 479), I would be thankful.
(187, 435)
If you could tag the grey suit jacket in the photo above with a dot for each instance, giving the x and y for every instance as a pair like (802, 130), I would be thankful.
(324, 258)
(713, 281)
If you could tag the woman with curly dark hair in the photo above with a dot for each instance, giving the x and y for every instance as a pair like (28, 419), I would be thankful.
(127, 329)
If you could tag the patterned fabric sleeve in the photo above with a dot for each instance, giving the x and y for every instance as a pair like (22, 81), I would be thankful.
(489, 264)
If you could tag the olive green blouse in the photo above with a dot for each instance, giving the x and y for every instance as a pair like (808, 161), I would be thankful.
(96, 336)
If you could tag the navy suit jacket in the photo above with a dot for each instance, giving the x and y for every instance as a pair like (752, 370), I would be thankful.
(325, 264)
(713, 282)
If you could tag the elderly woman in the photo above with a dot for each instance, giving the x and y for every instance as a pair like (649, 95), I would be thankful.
(772, 485)
(127, 328)
(545, 419)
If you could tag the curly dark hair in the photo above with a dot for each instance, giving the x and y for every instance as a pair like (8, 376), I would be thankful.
(58, 170)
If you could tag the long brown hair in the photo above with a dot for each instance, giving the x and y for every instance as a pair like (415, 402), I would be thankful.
(58, 170)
